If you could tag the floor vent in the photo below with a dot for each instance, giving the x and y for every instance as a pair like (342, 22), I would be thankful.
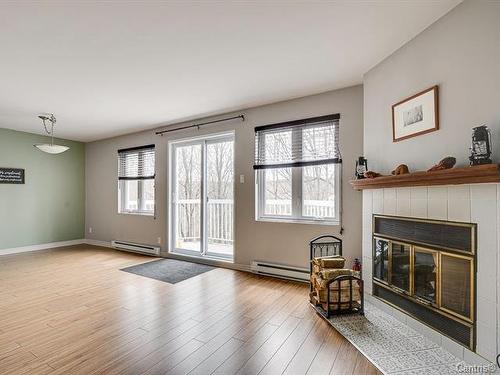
(136, 248)
(281, 271)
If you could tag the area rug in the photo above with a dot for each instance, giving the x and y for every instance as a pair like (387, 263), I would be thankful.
(394, 347)
(169, 270)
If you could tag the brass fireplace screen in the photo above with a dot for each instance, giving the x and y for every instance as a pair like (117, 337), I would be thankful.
(431, 264)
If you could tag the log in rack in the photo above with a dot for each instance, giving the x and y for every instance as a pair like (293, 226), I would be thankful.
(328, 245)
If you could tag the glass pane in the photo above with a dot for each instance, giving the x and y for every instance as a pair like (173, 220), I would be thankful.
(148, 195)
(129, 189)
(188, 197)
(148, 163)
(278, 191)
(129, 165)
(318, 143)
(456, 284)
(318, 191)
(278, 147)
(220, 186)
(425, 275)
(400, 275)
(381, 259)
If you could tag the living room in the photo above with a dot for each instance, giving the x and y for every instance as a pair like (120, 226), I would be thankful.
(168, 170)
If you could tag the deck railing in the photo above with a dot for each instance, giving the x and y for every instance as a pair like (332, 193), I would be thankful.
(219, 220)
(220, 216)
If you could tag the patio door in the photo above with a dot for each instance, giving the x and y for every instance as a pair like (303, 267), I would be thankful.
(201, 202)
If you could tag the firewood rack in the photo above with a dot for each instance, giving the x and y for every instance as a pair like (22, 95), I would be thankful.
(329, 245)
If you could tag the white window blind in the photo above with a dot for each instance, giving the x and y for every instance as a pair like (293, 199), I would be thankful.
(137, 163)
(299, 143)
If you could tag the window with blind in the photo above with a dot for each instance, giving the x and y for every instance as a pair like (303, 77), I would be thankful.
(136, 180)
(297, 166)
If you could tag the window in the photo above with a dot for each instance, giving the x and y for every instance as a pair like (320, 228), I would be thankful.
(297, 167)
(136, 180)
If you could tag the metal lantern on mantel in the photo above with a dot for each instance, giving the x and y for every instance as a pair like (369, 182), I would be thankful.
(361, 168)
(480, 150)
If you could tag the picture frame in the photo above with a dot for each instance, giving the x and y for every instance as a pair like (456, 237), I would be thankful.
(416, 115)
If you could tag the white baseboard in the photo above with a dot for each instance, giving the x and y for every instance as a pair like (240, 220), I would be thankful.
(45, 246)
(89, 241)
(211, 262)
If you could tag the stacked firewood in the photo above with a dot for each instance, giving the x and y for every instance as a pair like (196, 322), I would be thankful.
(325, 269)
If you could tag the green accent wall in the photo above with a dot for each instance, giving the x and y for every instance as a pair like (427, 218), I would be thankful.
(50, 206)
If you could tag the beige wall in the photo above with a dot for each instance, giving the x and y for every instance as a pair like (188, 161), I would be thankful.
(461, 54)
(276, 242)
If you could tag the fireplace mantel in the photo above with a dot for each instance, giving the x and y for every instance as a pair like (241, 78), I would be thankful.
(455, 176)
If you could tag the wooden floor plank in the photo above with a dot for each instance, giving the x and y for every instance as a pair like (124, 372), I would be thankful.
(326, 355)
(282, 357)
(310, 347)
(73, 311)
(210, 364)
(242, 355)
(345, 362)
(259, 359)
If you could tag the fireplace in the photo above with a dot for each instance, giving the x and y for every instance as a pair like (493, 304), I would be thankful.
(427, 269)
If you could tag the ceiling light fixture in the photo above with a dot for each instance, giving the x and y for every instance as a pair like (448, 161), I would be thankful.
(46, 147)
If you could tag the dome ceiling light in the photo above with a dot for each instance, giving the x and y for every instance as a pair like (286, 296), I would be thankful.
(50, 148)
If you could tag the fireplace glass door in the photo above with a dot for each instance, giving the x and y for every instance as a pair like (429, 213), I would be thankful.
(381, 260)
(425, 274)
(456, 284)
(427, 268)
(400, 267)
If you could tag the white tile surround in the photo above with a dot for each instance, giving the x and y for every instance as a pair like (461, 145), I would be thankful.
(476, 203)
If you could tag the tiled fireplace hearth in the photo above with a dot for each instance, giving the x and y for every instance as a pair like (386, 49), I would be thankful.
(421, 275)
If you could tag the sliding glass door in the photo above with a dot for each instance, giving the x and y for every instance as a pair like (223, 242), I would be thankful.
(201, 202)
(219, 197)
(186, 193)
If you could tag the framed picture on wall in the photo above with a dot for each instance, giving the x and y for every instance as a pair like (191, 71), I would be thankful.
(415, 115)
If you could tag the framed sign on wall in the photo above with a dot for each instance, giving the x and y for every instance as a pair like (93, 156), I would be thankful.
(11, 176)
(415, 115)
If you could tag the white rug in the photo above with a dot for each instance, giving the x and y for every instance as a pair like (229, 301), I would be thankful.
(394, 347)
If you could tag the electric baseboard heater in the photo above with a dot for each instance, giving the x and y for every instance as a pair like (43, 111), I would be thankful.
(281, 271)
(136, 248)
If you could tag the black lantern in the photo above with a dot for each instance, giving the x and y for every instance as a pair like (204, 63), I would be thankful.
(361, 168)
(480, 150)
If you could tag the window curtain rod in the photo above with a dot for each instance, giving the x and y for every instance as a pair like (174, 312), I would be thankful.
(161, 132)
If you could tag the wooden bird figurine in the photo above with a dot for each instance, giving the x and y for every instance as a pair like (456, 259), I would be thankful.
(447, 163)
(401, 169)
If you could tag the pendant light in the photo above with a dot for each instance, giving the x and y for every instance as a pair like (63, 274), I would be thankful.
(50, 148)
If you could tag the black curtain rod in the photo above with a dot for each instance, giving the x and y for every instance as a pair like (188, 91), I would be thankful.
(242, 117)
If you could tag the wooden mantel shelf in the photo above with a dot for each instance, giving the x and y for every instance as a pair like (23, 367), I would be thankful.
(454, 176)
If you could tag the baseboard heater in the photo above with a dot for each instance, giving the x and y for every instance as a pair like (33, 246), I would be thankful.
(136, 248)
(281, 271)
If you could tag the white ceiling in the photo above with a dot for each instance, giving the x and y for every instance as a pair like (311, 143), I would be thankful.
(109, 68)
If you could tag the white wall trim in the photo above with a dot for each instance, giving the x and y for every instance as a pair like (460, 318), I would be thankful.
(211, 262)
(45, 246)
(194, 259)
(89, 241)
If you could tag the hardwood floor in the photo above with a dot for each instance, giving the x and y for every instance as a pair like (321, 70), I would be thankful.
(72, 311)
